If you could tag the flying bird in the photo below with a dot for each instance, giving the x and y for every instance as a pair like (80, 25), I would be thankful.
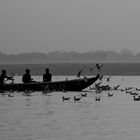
(101, 77)
(98, 84)
(116, 87)
(99, 66)
(79, 73)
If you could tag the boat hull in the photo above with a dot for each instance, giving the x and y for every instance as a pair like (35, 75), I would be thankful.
(67, 85)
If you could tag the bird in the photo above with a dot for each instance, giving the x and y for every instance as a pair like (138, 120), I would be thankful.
(76, 98)
(97, 98)
(110, 95)
(65, 98)
(9, 95)
(101, 77)
(136, 98)
(116, 87)
(98, 90)
(79, 73)
(99, 66)
(122, 90)
(92, 88)
(137, 89)
(84, 95)
(133, 93)
(98, 84)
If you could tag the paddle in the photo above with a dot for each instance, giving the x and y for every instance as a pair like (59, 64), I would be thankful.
(10, 78)
(46, 90)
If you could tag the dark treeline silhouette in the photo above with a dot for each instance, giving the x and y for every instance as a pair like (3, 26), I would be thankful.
(125, 56)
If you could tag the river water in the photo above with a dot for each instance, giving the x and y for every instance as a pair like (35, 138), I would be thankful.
(47, 117)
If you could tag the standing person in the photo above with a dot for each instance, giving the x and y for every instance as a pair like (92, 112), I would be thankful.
(3, 76)
(26, 78)
(47, 77)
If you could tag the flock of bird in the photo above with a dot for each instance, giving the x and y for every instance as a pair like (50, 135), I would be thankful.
(97, 89)
(97, 66)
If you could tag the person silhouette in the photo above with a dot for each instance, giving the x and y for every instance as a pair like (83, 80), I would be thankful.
(47, 77)
(3, 76)
(26, 78)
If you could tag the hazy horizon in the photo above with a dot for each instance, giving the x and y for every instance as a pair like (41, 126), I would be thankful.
(76, 25)
(125, 56)
(6, 52)
(126, 51)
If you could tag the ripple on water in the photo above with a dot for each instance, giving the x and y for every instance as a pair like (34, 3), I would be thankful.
(44, 117)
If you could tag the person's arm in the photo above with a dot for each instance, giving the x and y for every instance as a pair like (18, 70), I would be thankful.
(9, 77)
(31, 79)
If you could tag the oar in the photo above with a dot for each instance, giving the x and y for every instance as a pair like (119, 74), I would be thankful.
(12, 79)
(46, 90)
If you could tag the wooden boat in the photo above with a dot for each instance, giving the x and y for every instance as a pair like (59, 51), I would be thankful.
(67, 85)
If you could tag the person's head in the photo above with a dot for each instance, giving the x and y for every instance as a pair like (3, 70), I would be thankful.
(47, 70)
(27, 71)
(3, 71)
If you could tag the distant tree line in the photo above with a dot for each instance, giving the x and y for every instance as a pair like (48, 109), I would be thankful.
(126, 56)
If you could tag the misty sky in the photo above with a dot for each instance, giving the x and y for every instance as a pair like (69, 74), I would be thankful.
(69, 25)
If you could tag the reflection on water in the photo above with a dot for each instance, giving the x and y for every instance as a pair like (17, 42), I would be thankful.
(41, 117)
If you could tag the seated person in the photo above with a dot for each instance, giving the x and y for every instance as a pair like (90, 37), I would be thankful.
(47, 77)
(26, 78)
(3, 76)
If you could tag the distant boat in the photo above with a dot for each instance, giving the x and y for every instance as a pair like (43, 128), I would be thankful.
(66, 85)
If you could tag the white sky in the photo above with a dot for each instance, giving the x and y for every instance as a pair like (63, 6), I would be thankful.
(70, 25)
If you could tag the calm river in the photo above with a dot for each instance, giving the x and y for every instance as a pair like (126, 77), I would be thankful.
(47, 117)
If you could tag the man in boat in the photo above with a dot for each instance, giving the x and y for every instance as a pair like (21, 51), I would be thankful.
(4, 76)
(26, 78)
(47, 77)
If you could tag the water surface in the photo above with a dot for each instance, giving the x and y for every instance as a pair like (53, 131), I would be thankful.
(47, 117)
